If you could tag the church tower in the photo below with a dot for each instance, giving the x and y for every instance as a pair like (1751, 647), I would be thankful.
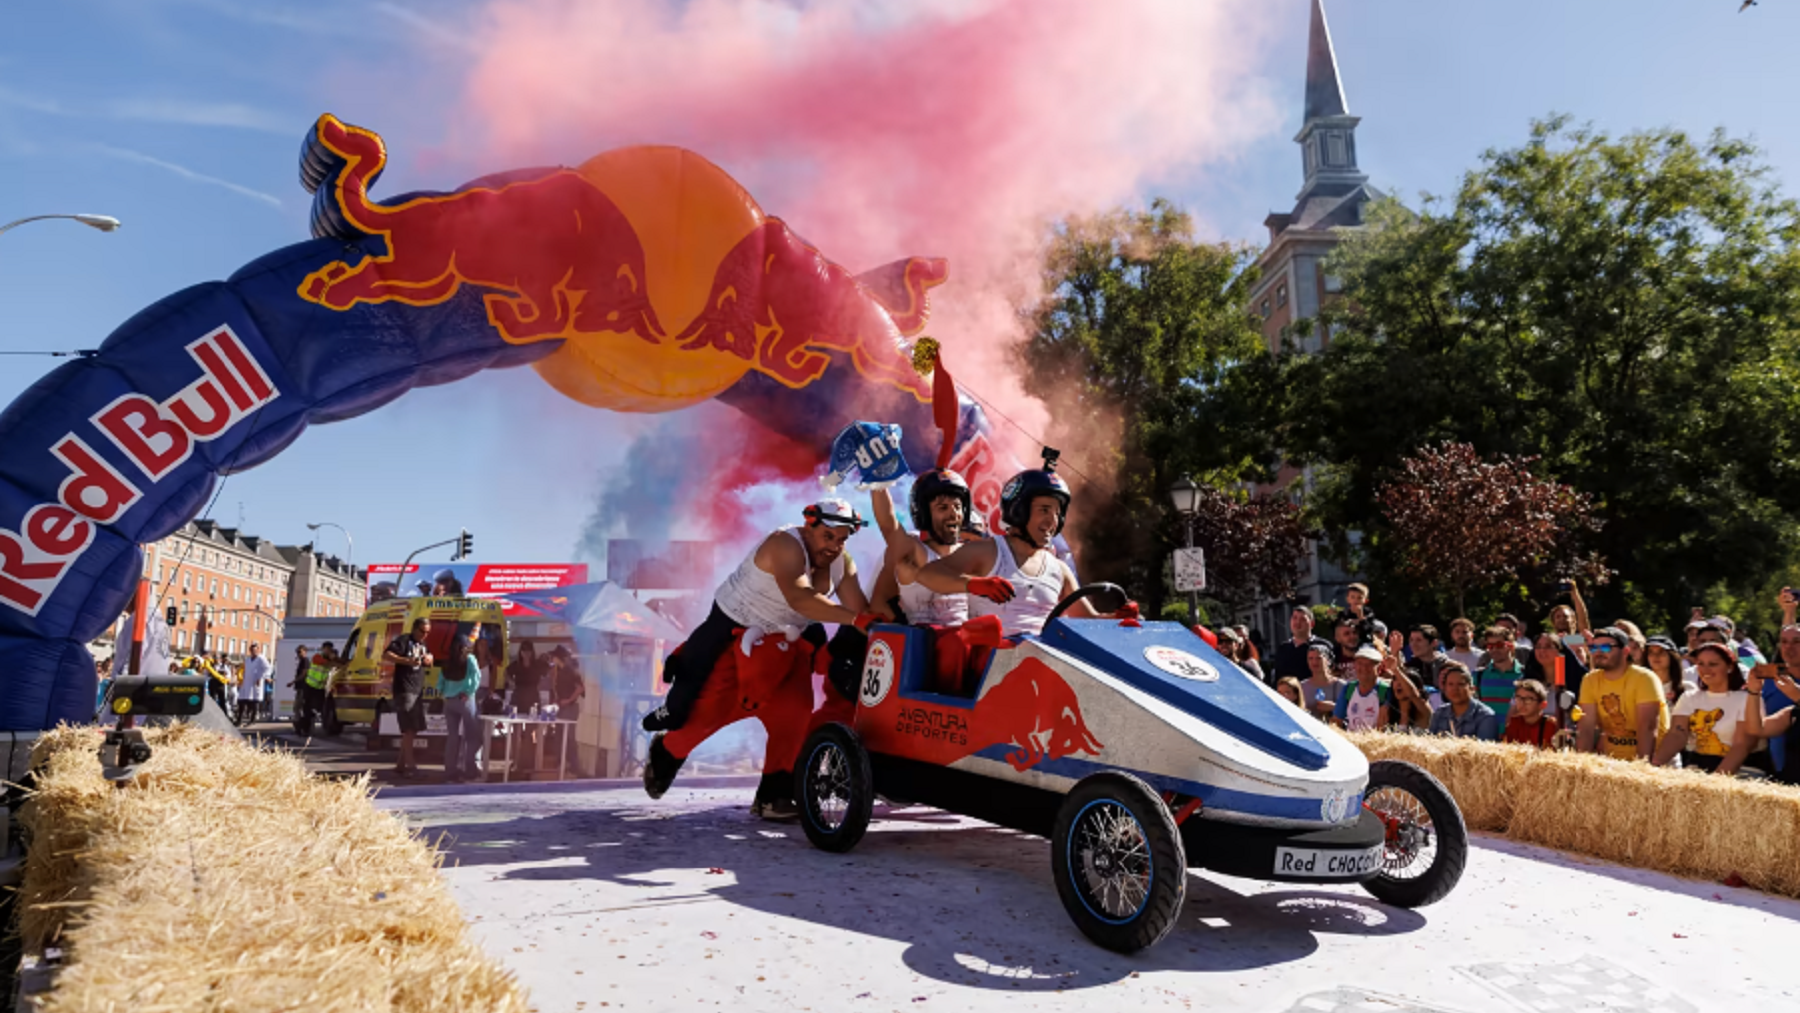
(1332, 195)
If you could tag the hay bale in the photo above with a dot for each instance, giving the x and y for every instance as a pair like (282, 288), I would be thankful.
(1675, 821)
(1683, 822)
(1483, 777)
(227, 878)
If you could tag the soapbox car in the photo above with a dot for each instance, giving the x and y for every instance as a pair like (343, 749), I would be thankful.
(1140, 752)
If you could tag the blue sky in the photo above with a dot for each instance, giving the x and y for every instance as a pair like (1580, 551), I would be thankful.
(183, 118)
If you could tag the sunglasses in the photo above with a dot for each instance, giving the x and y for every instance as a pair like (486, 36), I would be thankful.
(1602, 648)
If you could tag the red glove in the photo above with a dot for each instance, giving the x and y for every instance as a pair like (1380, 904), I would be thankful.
(994, 589)
(866, 620)
(1128, 611)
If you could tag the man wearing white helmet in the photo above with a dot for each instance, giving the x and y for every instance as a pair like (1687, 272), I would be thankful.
(784, 587)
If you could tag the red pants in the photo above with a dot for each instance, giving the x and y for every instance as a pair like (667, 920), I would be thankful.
(773, 684)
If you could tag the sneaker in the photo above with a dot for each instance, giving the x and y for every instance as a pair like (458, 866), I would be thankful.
(660, 720)
(778, 810)
(660, 769)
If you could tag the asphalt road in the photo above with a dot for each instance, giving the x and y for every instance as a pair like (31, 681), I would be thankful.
(602, 899)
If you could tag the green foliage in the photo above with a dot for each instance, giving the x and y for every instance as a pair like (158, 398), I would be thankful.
(1624, 309)
(1153, 367)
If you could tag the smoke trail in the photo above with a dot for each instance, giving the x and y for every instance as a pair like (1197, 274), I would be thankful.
(958, 128)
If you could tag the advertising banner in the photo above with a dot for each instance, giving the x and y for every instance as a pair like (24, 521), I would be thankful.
(471, 580)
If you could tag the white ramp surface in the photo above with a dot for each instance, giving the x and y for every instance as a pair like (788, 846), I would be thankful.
(605, 900)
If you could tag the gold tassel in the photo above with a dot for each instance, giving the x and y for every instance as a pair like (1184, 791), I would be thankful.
(925, 355)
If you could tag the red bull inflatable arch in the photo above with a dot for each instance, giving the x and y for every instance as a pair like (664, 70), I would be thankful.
(645, 280)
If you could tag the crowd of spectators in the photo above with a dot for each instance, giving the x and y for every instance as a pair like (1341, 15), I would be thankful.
(1713, 703)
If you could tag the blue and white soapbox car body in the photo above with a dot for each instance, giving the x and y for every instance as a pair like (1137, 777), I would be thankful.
(1140, 752)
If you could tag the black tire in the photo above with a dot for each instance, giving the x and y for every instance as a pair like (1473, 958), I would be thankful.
(1113, 821)
(333, 727)
(834, 788)
(1427, 843)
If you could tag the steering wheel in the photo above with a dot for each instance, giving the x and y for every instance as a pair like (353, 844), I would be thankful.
(1103, 597)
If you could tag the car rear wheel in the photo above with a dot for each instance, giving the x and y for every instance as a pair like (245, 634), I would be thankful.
(834, 788)
(1427, 843)
(1120, 867)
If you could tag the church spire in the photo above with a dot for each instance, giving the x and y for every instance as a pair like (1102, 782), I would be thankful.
(1327, 135)
(1324, 91)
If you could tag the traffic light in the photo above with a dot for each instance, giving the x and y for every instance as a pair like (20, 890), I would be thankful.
(465, 544)
(173, 615)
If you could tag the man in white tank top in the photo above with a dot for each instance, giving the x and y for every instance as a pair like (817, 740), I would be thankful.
(1016, 576)
(789, 580)
(784, 587)
(940, 508)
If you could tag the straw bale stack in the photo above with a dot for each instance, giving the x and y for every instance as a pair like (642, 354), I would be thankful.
(1483, 777)
(1676, 821)
(227, 878)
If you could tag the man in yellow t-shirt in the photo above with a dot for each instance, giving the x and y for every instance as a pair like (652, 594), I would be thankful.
(1623, 710)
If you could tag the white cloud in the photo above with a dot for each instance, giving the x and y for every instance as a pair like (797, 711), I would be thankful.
(234, 115)
(128, 155)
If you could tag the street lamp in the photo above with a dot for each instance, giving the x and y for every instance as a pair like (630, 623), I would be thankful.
(349, 555)
(105, 223)
(1185, 495)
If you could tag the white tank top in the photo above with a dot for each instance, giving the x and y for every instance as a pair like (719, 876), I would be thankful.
(750, 595)
(923, 605)
(1034, 598)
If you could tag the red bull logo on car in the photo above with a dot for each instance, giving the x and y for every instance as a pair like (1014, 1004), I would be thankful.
(638, 277)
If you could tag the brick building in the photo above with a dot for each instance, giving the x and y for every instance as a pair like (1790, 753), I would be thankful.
(1293, 284)
(236, 584)
(323, 585)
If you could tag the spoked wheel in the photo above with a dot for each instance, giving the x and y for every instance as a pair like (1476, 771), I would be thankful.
(835, 788)
(1119, 863)
(1427, 843)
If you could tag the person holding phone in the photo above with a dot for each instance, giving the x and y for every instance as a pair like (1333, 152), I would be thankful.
(1713, 729)
(1781, 723)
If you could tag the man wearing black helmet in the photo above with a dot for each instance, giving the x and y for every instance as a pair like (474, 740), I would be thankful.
(1016, 576)
(940, 509)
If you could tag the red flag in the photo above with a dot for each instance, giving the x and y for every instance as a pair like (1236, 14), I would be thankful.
(944, 409)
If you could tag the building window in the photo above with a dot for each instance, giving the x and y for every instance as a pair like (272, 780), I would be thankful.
(1333, 283)
(1334, 149)
(184, 580)
(215, 588)
(1281, 294)
(1265, 309)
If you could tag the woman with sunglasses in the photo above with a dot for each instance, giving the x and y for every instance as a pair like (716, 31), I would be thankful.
(1714, 728)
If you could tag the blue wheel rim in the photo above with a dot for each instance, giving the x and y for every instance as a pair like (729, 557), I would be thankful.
(1109, 861)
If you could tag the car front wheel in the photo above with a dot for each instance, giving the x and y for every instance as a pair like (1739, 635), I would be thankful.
(1119, 863)
(1427, 843)
(834, 788)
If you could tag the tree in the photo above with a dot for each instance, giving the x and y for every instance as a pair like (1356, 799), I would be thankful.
(1461, 523)
(1254, 546)
(1153, 367)
(1622, 310)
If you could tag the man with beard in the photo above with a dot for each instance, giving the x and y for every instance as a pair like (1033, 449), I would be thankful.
(1623, 710)
(1016, 577)
(940, 507)
(786, 586)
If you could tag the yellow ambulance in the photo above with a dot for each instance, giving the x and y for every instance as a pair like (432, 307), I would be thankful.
(363, 688)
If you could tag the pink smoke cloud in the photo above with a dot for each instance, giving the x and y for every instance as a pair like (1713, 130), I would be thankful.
(961, 129)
